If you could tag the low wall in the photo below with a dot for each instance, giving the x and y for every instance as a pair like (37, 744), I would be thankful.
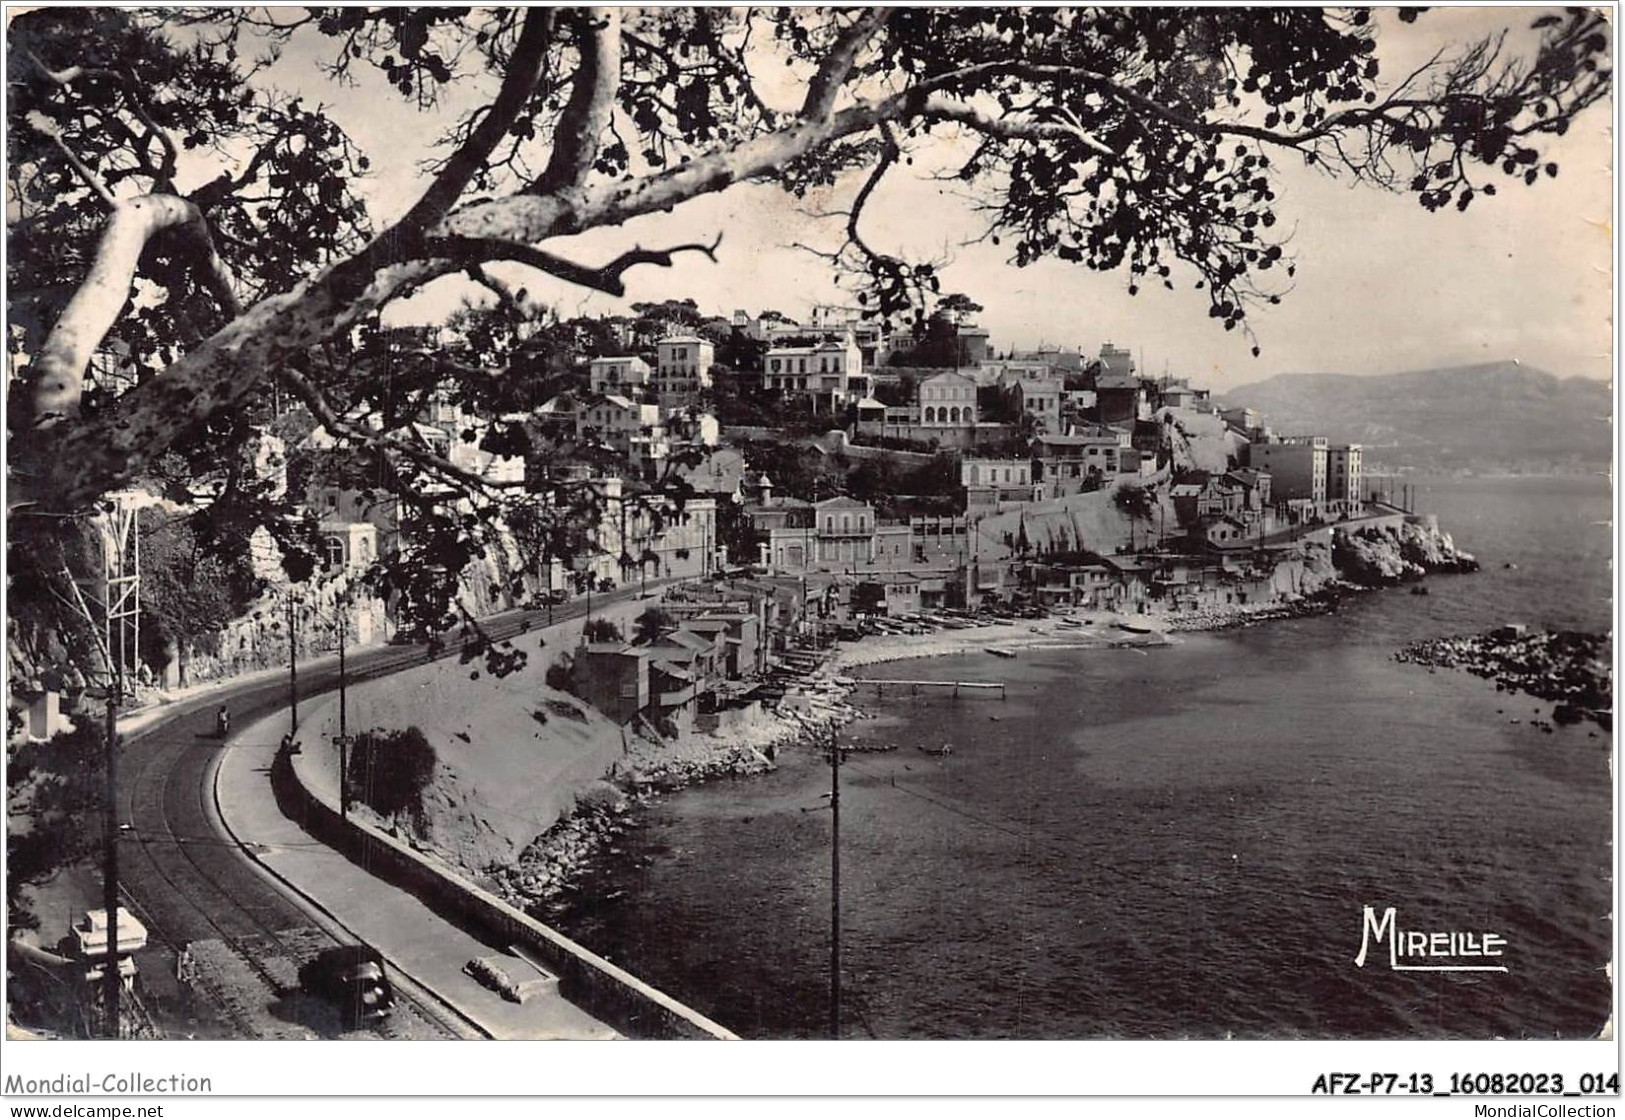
(586, 979)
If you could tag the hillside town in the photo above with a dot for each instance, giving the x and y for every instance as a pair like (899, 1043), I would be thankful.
(817, 478)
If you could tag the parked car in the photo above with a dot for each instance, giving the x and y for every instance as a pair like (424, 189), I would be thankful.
(352, 978)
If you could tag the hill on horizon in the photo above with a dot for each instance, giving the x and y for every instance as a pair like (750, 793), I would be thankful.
(1493, 417)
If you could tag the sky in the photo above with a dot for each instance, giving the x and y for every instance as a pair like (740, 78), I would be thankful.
(1382, 285)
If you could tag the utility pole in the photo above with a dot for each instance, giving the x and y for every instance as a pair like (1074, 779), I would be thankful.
(344, 738)
(293, 671)
(835, 888)
(111, 978)
(121, 636)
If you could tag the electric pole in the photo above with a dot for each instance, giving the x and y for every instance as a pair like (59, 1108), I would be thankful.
(293, 671)
(835, 888)
(344, 738)
(121, 621)
(111, 978)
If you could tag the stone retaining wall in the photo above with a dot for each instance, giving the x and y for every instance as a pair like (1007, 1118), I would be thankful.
(586, 979)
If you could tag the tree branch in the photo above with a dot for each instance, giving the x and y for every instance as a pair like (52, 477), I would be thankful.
(837, 65)
(605, 278)
(164, 174)
(592, 99)
(1013, 127)
(95, 306)
(523, 75)
(336, 425)
(46, 127)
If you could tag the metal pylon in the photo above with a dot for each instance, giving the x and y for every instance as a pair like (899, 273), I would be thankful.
(121, 588)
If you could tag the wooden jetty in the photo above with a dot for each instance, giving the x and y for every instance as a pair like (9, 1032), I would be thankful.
(915, 686)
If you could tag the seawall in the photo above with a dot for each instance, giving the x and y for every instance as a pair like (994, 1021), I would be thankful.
(586, 979)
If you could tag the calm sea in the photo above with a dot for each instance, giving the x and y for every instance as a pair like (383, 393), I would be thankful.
(1174, 842)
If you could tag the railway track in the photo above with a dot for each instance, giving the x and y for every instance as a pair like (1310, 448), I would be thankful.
(193, 886)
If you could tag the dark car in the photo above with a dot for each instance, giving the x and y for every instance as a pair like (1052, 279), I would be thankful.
(352, 978)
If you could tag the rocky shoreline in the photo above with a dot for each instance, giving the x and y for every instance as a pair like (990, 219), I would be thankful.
(549, 867)
(1566, 667)
(1228, 617)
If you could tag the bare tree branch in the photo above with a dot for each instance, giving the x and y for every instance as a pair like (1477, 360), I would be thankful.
(97, 303)
(605, 278)
(1013, 127)
(46, 127)
(307, 391)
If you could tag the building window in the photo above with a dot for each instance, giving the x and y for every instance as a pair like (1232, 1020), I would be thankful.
(334, 549)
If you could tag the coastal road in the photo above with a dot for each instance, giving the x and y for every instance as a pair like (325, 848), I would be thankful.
(189, 882)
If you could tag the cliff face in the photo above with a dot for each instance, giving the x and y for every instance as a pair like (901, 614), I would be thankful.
(1379, 556)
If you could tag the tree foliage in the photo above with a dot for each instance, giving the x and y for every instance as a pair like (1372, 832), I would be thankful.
(652, 623)
(188, 591)
(53, 802)
(601, 630)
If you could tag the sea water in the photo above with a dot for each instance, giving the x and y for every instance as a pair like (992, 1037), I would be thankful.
(1172, 842)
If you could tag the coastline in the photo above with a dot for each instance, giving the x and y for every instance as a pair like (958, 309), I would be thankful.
(811, 709)
(813, 706)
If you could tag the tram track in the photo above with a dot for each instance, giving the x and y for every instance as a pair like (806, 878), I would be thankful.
(192, 882)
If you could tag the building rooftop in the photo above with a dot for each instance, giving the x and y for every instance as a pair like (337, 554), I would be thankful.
(1116, 381)
(615, 648)
(688, 639)
(1079, 439)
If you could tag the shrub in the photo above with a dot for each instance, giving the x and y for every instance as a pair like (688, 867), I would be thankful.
(389, 770)
(566, 710)
(602, 630)
(561, 674)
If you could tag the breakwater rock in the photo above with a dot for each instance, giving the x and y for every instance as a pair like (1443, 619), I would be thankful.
(1567, 667)
(1383, 555)
(1323, 600)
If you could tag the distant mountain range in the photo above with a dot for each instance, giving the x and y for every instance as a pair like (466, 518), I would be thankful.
(1498, 417)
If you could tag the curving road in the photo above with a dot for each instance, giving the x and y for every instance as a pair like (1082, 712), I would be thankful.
(189, 882)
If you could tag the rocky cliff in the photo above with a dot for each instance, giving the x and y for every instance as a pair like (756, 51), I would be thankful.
(1383, 555)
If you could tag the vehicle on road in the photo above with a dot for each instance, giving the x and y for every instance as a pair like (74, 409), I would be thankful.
(352, 978)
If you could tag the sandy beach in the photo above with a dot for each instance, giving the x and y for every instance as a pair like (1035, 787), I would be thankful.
(1099, 632)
